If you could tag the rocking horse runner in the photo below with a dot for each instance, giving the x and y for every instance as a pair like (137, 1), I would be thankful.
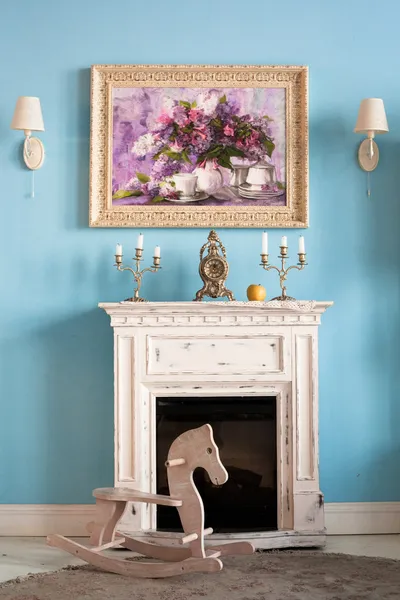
(192, 449)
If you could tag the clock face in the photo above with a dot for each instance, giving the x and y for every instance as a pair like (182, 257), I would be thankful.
(214, 268)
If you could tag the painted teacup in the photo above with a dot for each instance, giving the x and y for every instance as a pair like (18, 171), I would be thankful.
(185, 183)
(261, 174)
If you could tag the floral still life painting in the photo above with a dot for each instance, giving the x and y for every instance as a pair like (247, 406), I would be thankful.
(208, 155)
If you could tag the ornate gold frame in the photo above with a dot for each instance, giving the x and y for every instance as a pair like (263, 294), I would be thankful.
(293, 78)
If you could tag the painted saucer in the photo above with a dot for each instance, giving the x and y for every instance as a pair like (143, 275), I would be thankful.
(264, 195)
(251, 187)
(185, 199)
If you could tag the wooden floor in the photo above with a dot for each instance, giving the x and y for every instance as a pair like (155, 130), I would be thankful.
(20, 556)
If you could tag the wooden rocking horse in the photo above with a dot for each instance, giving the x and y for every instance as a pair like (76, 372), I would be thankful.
(192, 449)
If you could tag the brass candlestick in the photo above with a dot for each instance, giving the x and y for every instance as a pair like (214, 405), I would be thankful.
(136, 272)
(283, 271)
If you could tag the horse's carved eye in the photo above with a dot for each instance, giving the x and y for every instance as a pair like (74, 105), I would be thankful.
(209, 450)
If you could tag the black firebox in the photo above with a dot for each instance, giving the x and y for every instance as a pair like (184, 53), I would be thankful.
(245, 432)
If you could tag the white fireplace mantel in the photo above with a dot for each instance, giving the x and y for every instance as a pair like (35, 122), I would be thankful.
(221, 348)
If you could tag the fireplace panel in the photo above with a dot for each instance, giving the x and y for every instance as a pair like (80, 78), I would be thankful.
(218, 355)
(245, 432)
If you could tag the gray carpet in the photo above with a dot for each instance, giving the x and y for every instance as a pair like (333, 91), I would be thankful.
(284, 575)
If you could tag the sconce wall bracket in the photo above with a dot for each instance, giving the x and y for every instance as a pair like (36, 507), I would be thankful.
(33, 153)
(367, 161)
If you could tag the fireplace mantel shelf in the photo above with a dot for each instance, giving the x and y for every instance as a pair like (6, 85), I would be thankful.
(227, 349)
(214, 313)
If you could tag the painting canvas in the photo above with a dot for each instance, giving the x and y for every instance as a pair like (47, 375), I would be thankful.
(231, 141)
(199, 154)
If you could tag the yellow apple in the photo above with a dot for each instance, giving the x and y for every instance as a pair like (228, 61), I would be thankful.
(256, 293)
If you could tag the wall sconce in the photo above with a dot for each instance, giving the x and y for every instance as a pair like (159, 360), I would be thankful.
(371, 120)
(28, 117)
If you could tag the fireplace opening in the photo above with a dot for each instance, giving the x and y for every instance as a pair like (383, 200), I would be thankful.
(245, 432)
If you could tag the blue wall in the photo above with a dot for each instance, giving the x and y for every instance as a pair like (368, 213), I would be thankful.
(56, 397)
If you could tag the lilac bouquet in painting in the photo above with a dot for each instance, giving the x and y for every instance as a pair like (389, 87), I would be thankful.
(184, 131)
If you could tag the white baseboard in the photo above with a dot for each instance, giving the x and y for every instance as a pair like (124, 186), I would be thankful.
(43, 519)
(360, 518)
(344, 518)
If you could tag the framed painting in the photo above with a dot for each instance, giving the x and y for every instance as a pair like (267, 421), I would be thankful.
(199, 146)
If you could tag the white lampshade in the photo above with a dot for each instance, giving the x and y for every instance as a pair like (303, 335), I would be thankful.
(371, 117)
(28, 114)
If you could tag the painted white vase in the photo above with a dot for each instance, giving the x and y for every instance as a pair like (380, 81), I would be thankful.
(209, 178)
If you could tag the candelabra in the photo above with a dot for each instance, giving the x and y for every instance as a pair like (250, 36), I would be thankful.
(283, 271)
(136, 272)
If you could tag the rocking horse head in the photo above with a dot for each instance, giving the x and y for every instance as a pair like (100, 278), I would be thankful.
(197, 448)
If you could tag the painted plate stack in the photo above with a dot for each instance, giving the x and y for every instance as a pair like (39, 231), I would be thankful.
(251, 190)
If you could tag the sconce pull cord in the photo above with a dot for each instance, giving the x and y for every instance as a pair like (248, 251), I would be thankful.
(368, 184)
(33, 184)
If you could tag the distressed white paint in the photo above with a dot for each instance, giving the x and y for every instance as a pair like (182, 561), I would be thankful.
(215, 355)
(304, 407)
(124, 415)
(210, 349)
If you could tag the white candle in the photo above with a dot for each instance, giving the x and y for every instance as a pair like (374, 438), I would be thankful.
(284, 241)
(118, 250)
(139, 244)
(264, 243)
(157, 252)
(302, 249)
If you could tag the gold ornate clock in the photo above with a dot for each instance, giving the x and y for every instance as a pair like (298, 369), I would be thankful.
(213, 269)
